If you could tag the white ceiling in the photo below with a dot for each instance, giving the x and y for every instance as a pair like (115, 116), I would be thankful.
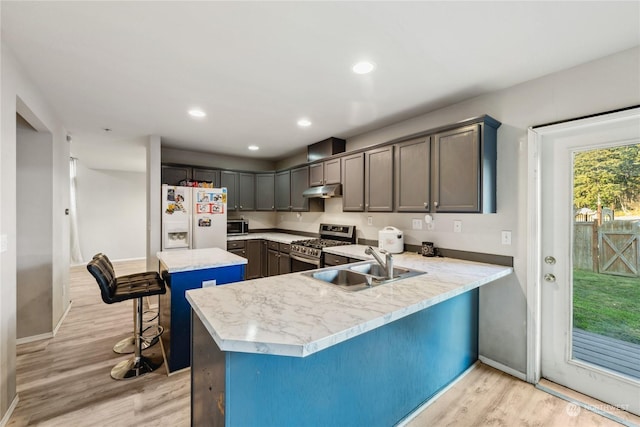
(255, 68)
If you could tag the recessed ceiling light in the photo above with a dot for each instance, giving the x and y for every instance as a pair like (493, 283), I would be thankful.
(253, 147)
(363, 67)
(197, 113)
(304, 123)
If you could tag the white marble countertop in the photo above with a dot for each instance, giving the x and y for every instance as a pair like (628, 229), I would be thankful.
(198, 259)
(273, 236)
(296, 315)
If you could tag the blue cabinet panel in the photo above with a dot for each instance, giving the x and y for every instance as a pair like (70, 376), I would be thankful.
(374, 379)
(175, 311)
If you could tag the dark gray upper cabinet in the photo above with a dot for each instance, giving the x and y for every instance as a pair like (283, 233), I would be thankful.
(316, 174)
(265, 191)
(283, 190)
(247, 193)
(412, 175)
(464, 168)
(229, 180)
(332, 171)
(208, 175)
(240, 190)
(299, 183)
(353, 183)
(327, 172)
(254, 257)
(378, 196)
(172, 175)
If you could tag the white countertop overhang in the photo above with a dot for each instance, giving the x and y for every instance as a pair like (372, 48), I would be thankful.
(296, 315)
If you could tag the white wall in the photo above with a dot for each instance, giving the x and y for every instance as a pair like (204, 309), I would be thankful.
(602, 85)
(18, 94)
(111, 212)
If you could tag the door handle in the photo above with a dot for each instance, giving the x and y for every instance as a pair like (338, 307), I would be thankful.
(549, 277)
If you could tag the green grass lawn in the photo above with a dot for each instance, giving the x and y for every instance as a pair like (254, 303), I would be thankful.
(607, 305)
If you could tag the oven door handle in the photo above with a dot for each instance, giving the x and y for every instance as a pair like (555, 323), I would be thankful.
(306, 260)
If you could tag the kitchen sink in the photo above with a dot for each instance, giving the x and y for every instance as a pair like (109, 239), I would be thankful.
(342, 277)
(375, 269)
(359, 276)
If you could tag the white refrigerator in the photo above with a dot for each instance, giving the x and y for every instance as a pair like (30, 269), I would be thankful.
(194, 217)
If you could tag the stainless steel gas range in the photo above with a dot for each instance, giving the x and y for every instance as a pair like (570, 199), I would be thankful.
(308, 255)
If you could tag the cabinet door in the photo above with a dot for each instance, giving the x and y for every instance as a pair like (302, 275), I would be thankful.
(254, 257)
(456, 170)
(332, 171)
(332, 260)
(273, 258)
(208, 175)
(284, 263)
(353, 183)
(283, 191)
(316, 174)
(247, 191)
(379, 180)
(265, 191)
(264, 252)
(172, 175)
(412, 176)
(299, 183)
(229, 179)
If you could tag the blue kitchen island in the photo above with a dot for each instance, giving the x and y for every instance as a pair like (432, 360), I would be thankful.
(291, 350)
(183, 270)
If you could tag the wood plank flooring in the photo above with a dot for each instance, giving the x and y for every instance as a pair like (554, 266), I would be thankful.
(64, 381)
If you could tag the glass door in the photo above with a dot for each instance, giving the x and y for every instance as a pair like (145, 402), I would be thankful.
(590, 284)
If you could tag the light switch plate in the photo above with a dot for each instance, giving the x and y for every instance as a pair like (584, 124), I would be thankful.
(506, 237)
(457, 226)
(369, 220)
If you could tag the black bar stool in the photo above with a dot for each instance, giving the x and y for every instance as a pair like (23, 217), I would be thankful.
(128, 345)
(133, 286)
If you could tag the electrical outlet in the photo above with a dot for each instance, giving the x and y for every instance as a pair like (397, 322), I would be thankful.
(207, 283)
(369, 220)
(506, 237)
(416, 224)
(457, 226)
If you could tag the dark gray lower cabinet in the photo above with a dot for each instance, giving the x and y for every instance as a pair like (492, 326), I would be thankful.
(278, 259)
(254, 259)
(333, 260)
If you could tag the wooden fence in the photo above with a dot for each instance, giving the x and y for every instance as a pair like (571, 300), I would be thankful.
(611, 248)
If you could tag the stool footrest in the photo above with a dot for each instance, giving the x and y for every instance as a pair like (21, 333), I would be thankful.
(132, 368)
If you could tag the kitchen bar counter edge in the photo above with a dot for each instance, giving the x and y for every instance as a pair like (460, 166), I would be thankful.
(295, 315)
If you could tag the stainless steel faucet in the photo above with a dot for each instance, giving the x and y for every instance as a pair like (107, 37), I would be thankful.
(388, 265)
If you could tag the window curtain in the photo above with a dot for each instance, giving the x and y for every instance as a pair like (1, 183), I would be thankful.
(76, 253)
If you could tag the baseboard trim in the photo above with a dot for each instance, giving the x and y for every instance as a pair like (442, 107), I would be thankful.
(504, 368)
(62, 318)
(435, 397)
(33, 338)
(7, 415)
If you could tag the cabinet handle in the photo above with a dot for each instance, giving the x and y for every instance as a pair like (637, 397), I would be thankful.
(426, 205)
(240, 206)
(435, 204)
(272, 207)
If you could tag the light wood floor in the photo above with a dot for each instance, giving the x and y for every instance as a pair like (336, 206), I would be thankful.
(64, 381)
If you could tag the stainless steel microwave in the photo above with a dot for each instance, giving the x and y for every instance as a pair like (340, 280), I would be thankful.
(237, 226)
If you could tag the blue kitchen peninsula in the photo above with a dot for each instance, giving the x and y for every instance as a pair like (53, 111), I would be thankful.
(183, 270)
(292, 350)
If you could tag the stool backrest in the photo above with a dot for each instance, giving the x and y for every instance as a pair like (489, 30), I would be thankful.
(101, 269)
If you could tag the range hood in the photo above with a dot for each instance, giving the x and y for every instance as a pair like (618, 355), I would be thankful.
(323, 191)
